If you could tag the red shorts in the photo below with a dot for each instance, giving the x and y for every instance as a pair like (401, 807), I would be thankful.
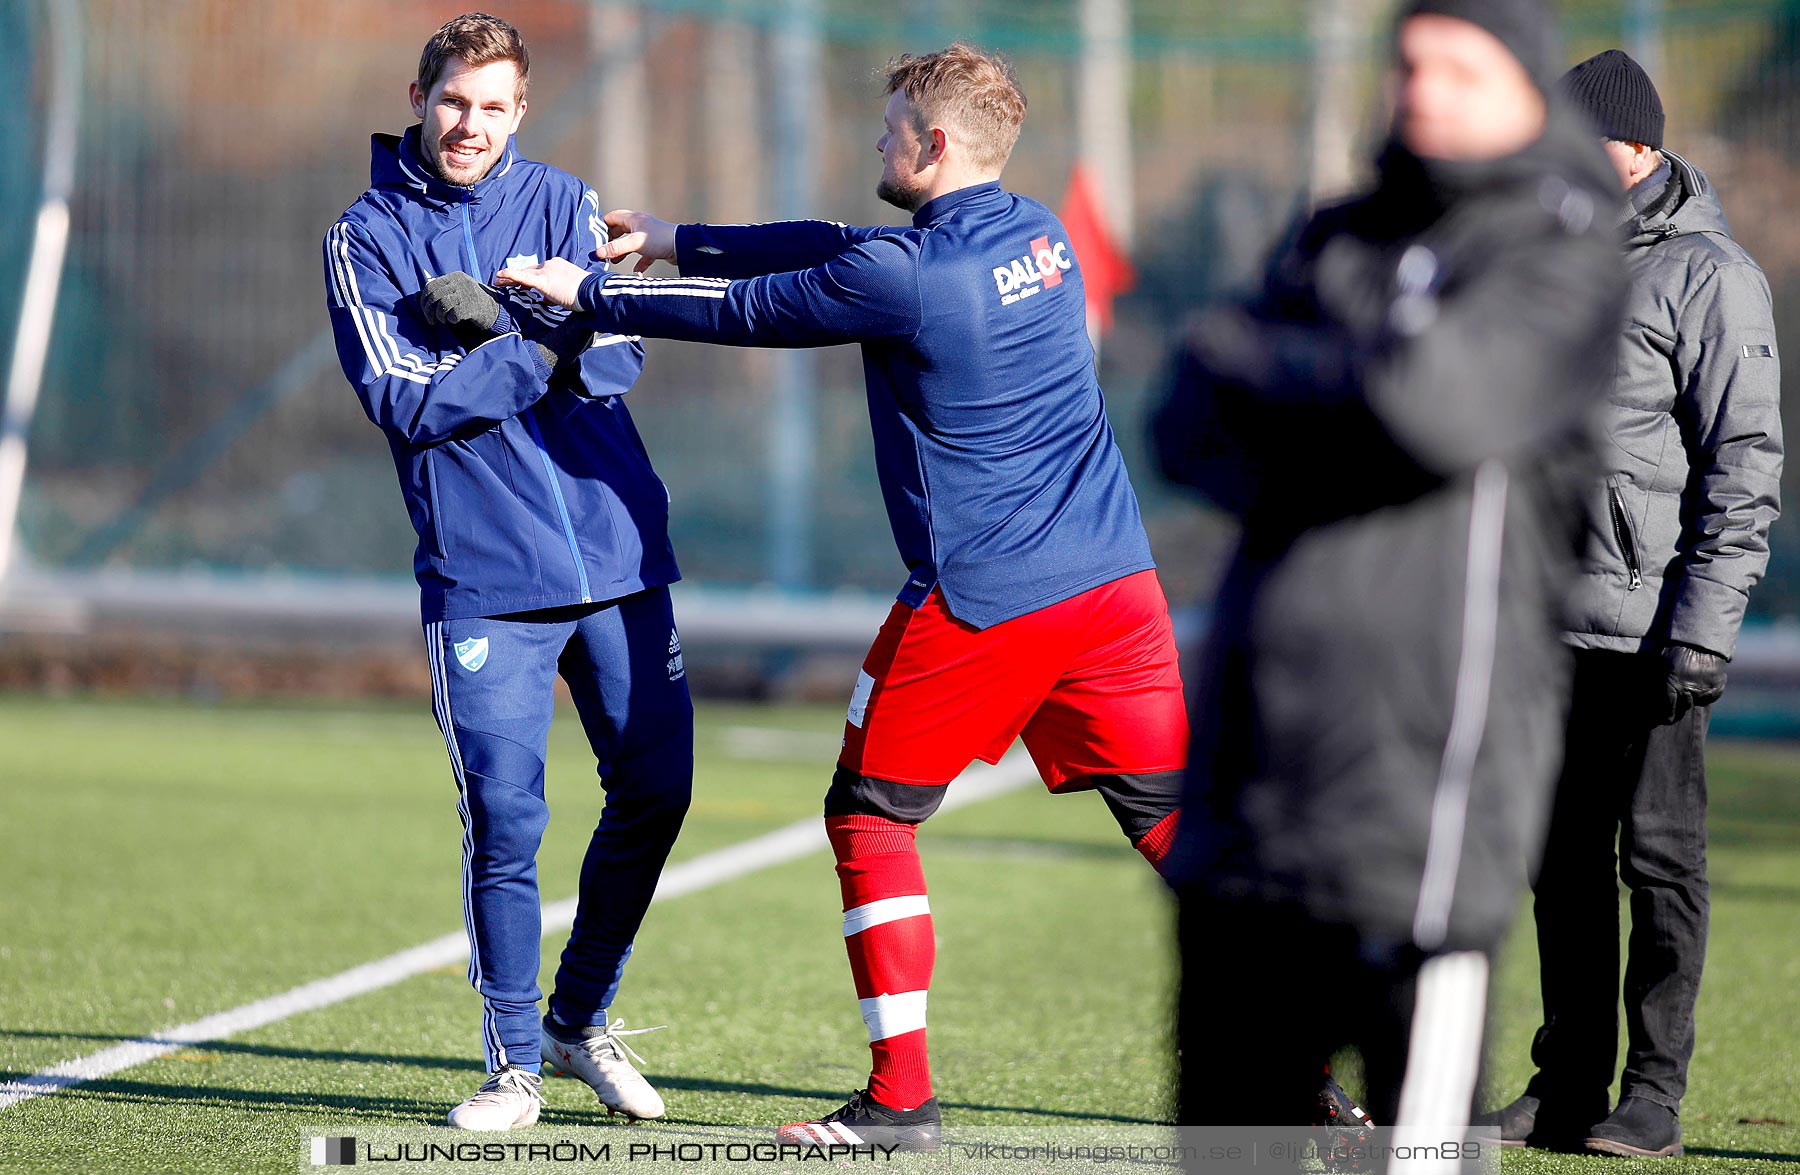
(1092, 684)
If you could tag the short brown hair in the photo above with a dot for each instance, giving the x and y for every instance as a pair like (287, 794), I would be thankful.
(476, 39)
(969, 88)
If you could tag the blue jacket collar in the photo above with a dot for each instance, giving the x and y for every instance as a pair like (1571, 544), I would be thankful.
(399, 161)
(932, 211)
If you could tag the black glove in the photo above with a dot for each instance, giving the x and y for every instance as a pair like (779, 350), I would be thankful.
(459, 301)
(1693, 677)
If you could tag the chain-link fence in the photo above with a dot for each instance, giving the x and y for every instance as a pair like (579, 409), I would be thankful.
(192, 415)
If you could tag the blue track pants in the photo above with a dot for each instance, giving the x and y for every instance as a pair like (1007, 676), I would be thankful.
(493, 691)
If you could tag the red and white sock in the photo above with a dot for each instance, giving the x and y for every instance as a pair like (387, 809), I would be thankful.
(887, 932)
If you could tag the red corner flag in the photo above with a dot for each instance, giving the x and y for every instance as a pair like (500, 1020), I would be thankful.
(1105, 270)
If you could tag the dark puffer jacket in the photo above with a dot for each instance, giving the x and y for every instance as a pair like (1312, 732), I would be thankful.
(1400, 418)
(1679, 531)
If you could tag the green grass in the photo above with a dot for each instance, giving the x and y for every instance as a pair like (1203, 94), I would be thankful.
(164, 861)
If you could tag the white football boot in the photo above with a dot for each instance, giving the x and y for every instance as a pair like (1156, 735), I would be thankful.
(509, 1098)
(602, 1059)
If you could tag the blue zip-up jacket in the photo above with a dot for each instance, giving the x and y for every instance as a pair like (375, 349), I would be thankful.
(527, 490)
(1003, 483)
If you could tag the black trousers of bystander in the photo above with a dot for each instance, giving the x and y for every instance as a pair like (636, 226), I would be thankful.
(1631, 805)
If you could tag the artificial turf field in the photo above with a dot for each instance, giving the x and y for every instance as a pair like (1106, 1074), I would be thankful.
(166, 861)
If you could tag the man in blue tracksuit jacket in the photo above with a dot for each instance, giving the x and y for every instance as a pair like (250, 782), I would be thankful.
(1031, 607)
(543, 549)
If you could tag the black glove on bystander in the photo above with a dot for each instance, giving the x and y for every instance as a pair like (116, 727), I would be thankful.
(1694, 677)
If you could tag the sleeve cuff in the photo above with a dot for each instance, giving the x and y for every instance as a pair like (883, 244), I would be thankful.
(588, 297)
(540, 360)
(504, 324)
(1707, 615)
(689, 260)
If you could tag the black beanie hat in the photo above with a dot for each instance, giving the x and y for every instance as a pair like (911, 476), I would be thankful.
(1525, 27)
(1615, 92)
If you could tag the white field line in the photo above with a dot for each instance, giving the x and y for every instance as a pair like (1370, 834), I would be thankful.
(795, 840)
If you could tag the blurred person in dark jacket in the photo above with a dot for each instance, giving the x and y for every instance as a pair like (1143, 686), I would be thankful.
(1678, 534)
(1399, 417)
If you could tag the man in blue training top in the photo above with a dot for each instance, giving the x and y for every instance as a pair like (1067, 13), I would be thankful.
(1031, 606)
(543, 549)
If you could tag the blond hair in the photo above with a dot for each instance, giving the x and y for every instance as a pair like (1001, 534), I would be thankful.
(969, 89)
(476, 39)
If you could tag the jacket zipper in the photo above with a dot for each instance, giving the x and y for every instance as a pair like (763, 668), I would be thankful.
(437, 513)
(1627, 543)
(562, 508)
(537, 437)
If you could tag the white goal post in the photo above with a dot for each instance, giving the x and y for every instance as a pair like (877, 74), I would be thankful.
(43, 274)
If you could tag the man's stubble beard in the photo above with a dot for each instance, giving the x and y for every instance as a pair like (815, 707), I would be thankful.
(907, 200)
(435, 160)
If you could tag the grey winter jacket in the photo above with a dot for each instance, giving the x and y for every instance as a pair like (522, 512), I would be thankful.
(1678, 531)
(1400, 417)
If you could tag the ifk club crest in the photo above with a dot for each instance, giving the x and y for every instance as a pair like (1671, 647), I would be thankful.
(472, 653)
